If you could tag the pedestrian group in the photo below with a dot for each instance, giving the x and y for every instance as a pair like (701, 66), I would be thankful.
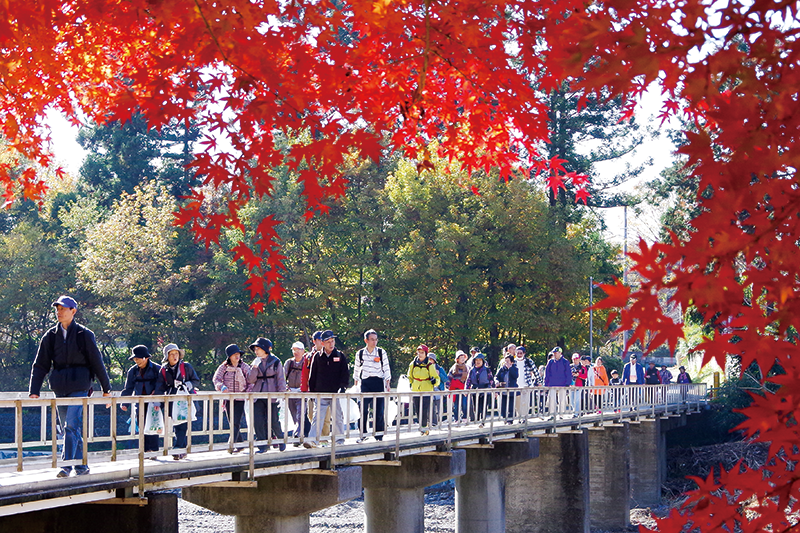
(68, 353)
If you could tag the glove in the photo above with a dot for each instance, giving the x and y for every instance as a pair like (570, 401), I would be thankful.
(177, 383)
(433, 380)
(188, 385)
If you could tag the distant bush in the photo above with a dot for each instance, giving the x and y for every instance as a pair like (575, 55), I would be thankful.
(716, 424)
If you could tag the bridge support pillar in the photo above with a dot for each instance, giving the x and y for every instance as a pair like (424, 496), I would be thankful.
(481, 492)
(394, 496)
(648, 462)
(609, 485)
(160, 515)
(280, 503)
(551, 494)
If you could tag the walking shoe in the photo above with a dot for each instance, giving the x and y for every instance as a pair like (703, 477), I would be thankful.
(308, 444)
(361, 439)
(63, 473)
(424, 433)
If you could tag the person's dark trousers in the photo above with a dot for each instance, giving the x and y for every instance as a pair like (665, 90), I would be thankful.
(373, 384)
(507, 404)
(480, 406)
(71, 417)
(424, 420)
(236, 421)
(180, 435)
(260, 409)
(306, 424)
(459, 406)
(151, 443)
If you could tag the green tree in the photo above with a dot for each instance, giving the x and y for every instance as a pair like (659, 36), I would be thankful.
(34, 269)
(128, 261)
(486, 267)
(122, 157)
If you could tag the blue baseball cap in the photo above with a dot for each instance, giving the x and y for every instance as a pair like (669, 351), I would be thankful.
(65, 301)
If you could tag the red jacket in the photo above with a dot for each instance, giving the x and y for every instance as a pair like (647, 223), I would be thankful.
(306, 371)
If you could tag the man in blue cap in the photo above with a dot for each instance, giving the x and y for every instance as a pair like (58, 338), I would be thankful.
(71, 351)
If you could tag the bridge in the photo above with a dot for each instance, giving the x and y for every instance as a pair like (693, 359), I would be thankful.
(562, 460)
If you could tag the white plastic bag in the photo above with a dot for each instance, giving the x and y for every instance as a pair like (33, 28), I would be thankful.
(180, 408)
(355, 411)
(153, 420)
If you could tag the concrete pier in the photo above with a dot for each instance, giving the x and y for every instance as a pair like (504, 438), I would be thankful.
(551, 494)
(648, 462)
(394, 496)
(609, 486)
(481, 491)
(279, 503)
(159, 515)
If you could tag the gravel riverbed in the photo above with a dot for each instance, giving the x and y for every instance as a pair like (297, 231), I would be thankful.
(348, 517)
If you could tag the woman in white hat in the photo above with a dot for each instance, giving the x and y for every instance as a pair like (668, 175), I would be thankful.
(176, 376)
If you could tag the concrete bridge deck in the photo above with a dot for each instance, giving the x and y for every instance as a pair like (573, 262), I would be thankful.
(28, 484)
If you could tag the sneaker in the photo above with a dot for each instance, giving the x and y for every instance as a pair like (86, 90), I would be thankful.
(360, 440)
(340, 442)
(82, 471)
(424, 433)
(308, 444)
(63, 473)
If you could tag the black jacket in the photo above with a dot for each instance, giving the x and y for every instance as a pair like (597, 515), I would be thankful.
(329, 373)
(142, 383)
(75, 362)
(167, 376)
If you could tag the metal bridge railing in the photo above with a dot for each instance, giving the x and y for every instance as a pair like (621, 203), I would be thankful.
(110, 434)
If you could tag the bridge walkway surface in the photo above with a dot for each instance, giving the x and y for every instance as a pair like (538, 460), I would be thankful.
(211, 469)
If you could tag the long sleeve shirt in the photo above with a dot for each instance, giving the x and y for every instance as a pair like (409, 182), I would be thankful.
(557, 373)
(232, 377)
(141, 382)
(329, 372)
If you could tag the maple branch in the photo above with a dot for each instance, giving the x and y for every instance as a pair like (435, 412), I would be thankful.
(427, 47)
(232, 63)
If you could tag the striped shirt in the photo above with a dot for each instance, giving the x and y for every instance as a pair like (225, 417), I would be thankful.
(367, 367)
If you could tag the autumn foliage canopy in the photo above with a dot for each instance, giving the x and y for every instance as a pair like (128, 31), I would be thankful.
(365, 77)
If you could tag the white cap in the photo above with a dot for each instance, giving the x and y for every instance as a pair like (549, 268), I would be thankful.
(298, 344)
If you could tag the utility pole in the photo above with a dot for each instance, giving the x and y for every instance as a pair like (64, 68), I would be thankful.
(625, 270)
(591, 317)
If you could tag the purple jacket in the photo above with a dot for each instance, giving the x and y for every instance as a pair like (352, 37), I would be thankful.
(557, 373)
